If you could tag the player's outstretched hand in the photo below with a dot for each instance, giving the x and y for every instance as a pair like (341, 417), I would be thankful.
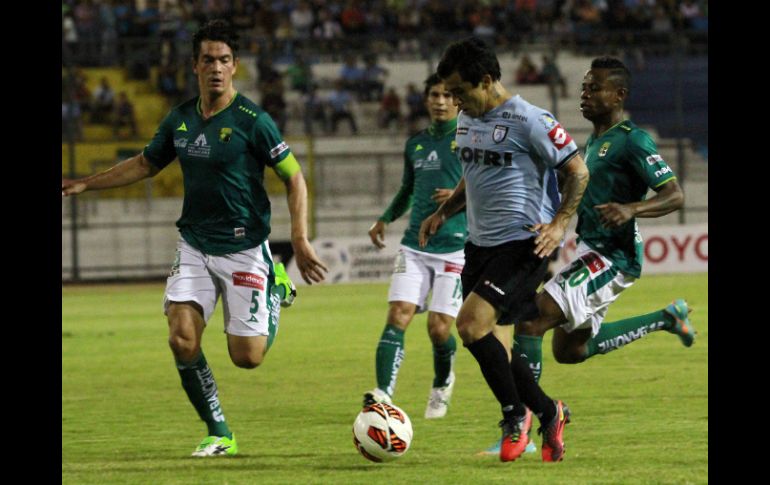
(440, 195)
(613, 215)
(310, 267)
(377, 234)
(71, 187)
(429, 226)
(548, 238)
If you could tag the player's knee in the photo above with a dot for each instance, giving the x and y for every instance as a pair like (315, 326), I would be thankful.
(534, 328)
(248, 361)
(399, 316)
(184, 349)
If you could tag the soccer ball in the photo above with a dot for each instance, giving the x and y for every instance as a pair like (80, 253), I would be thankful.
(382, 432)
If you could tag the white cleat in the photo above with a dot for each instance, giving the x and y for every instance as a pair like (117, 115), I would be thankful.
(439, 399)
(376, 395)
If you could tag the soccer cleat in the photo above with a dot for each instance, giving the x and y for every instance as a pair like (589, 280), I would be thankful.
(439, 399)
(682, 326)
(282, 279)
(531, 446)
(553, 434)
(376, 395)
(515, 436)
(216, 446)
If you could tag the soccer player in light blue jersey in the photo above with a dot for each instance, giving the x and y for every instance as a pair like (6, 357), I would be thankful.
(510, 151)
(223, 142)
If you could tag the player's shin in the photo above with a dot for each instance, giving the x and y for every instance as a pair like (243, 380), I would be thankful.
(201, 388)
(390, 354)
(531, 349)
(614, 335)
(443, 357)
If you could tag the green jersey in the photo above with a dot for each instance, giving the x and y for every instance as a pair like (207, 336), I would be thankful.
(430, 163)
(624, 163)
(223, 159)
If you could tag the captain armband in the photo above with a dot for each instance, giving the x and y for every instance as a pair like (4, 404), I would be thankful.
(287, 167)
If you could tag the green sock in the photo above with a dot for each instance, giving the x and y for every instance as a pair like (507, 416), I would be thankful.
(614, 335)
(443, 357)
(198, 382)
(531, 348)
(390, 353)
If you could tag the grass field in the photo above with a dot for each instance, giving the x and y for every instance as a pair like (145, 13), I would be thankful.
(640, 414)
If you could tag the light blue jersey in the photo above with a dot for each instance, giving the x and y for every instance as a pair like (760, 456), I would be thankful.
(510, 156)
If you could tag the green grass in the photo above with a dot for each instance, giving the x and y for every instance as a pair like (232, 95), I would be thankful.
(640, 414)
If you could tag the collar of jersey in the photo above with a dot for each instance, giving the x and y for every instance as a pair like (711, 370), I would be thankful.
(443, 128)
(612, 128)
(198, 106)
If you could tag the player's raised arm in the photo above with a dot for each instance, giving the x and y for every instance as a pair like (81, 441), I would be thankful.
(124, 173)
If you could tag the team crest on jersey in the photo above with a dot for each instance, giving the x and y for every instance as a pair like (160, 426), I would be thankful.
(603, 149)
(453, 146)
(500, 133)
(225, 134)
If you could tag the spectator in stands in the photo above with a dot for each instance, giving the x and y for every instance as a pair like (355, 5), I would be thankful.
(103, 102)
(244, 16)
(352, 19)
(167, 83)
(526, 72)
(351, 75)
(390, 109)
(551, 75)
(300, 74)
(109, 33)
(416, 105)
(372, 79)
(314, 109)
(273, 100)
(328, 31)
(124, 115)
(302, 20)
(71, 115)
(340, 101)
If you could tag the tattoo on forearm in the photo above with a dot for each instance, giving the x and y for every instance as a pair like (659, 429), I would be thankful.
(574, 186)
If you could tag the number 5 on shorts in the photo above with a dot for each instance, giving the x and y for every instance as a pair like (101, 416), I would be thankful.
(255, 302)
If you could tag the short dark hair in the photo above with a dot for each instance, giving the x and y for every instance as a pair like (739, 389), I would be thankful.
(432, 80)
(216, 30)
(471, 58)
(619, 73)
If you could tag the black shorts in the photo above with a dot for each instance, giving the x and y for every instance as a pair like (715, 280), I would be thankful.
(507, 276)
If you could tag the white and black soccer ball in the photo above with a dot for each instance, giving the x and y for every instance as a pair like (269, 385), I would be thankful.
(382, 432)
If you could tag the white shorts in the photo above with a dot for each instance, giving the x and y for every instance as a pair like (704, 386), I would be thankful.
(243, 279)
(585, 288)
(416, 272)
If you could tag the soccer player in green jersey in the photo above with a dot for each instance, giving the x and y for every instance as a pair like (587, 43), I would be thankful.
(624, 163)
(431, 171)
(223, 142)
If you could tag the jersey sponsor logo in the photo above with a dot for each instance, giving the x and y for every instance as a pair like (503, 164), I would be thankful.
(653, 159)
(239, 232)
(280, 148)
(182, 127)
(487, 157)
(180, 142)
(453, 268)
(663, 171)
(199, 148)
(559, 136)
(593, 262)
(462, 130)
(225, 134)
(507, 115)
(499, 133)
(603, 149)
(250, 280)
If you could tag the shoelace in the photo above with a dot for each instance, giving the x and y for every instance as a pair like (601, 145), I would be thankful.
(510, 428)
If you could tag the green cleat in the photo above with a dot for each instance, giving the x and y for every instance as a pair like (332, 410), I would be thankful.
(216, 446)
(682, 326)
(282, 280)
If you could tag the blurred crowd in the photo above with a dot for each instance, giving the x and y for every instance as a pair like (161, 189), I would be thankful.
(95, 29)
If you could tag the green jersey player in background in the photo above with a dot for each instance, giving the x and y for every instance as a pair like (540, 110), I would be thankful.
(431, 171)
(624, 163)
(223, 142)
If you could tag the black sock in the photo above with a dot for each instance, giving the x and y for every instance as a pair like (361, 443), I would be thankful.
(493, 360)
(530, 391)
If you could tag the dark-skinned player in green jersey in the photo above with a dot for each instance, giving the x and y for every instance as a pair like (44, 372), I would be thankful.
(223, 142)
(624, 164)
(431, 171)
